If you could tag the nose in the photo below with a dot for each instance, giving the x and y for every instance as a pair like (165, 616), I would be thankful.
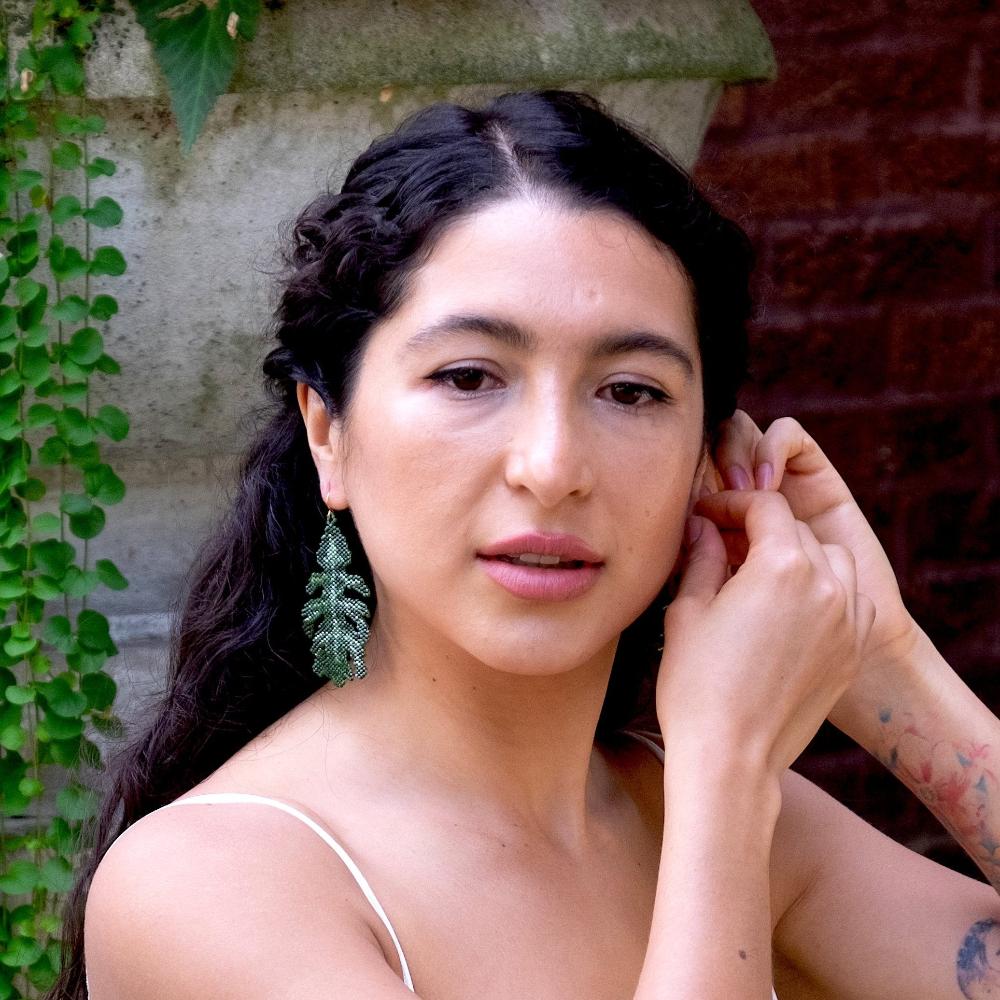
(549, 452)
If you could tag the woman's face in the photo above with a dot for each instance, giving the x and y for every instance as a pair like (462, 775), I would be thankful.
(538, 432)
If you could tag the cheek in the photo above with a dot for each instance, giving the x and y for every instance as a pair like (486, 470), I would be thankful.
(406, 481)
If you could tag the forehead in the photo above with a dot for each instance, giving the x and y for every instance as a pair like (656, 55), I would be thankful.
(565, 272)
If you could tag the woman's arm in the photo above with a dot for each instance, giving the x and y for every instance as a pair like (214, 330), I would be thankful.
(711, 929)
(750, 668)
(916, 715)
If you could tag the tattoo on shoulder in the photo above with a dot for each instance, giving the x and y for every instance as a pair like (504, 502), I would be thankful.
(978, 961)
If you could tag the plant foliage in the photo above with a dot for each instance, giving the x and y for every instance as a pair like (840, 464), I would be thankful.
(195, 44)
(54, 485)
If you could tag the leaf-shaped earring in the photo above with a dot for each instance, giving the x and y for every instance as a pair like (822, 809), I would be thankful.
(336, 623)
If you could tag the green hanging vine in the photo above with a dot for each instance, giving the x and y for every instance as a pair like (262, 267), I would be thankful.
(52, 645)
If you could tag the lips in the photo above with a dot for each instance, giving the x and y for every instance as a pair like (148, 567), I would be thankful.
(568, 548)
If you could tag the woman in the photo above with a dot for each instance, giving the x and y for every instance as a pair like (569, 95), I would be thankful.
(518, 332)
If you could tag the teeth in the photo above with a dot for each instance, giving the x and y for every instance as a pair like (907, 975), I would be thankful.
(530, 557)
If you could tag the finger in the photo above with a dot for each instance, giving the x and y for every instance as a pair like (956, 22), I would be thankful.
(785, 446)
(734, 450)
(818, 553)
(864, 617)
(705, 570)
(758, 514)
(736, 547)
(841, 561)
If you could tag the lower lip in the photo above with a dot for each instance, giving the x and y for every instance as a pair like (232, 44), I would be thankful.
(539, 584)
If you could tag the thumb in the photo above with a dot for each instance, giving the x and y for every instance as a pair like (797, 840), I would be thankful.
(706, 568)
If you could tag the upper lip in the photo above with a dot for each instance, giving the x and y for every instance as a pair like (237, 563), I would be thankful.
(567, 547)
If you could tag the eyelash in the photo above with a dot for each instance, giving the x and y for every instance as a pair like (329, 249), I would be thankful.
(655, 396)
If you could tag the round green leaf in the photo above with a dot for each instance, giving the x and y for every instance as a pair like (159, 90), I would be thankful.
(57, 875)
(111, 726)
(103, 307)
(66, 124)
(92, 124)
(93, 631)
(31, 489)
(60, 698)
(107, 364)
(11, 587)
(53, 555)
(62, 728)
(30, 787)
(20, 877)
(110, 575)
(113, 421)
(104, 213)
(74, 427)
(52, 452)
(76, 803)
(71, 309)
(14, 557)
(103, 485)
(66, 156)
(11, 738)
(10, 382)
(85, 346)
(85, 456)
(19, 695)
(36, 335)
(27, 290)
(45, 588)
(35, 364)
(107, 260)
(100, 690)
(45, 523)
(58, 632)
(87, 525)
(67, 207)
(19, 648)
(75, 503)
(100, 167)
(40, 414)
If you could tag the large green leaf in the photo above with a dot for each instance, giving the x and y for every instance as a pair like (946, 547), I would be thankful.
(195, 44)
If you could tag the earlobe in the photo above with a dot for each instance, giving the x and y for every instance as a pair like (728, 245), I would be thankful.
(323, 433)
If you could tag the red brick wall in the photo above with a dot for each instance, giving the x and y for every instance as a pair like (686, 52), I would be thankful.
(867, 175)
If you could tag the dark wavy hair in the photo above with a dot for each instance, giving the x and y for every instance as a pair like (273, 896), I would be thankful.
(239, 659)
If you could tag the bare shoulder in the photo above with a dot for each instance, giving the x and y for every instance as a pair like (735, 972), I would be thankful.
(231, 901)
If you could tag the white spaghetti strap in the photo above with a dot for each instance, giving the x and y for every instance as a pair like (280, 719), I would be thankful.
(213, 797)
(655, 747)
(645, 739)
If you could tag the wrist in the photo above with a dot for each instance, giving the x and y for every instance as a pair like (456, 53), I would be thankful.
(721, 779)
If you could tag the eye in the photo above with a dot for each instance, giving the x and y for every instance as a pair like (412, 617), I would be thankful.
(464, 380)
(631, 389)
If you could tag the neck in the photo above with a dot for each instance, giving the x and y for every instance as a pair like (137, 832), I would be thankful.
(514, 750)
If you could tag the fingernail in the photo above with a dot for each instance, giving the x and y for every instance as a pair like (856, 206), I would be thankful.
(692, 530)
(740, 478)
(765, 476)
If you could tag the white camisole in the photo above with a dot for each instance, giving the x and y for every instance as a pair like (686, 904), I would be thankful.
(231, 797)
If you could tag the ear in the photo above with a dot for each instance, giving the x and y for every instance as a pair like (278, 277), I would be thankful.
(324, 433)
(706, 475)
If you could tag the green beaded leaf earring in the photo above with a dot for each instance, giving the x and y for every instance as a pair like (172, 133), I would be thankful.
(336, 622)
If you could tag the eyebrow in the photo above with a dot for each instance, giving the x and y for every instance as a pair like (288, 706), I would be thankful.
(509, 333)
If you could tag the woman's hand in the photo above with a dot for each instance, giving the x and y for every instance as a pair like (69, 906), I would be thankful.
(754, 662)
(788, 460)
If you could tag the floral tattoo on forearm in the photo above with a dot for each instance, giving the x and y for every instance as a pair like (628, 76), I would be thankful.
(955, 779)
